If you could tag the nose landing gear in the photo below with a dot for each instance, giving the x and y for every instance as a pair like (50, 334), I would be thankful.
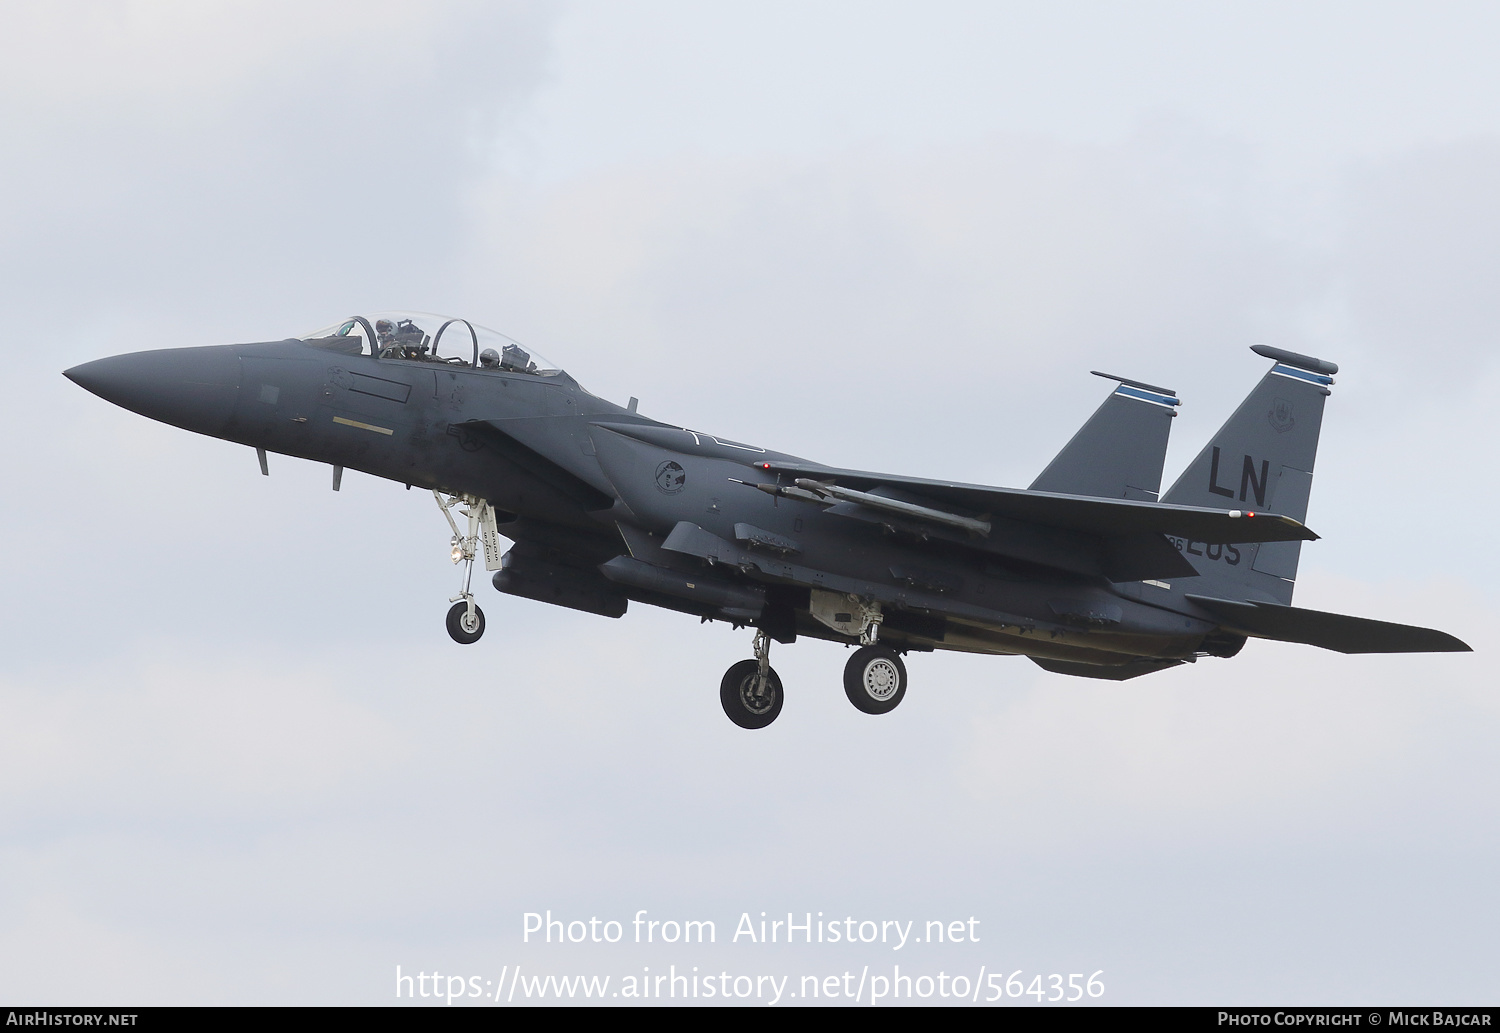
(465, 622)
(751, 690)
(465, 618)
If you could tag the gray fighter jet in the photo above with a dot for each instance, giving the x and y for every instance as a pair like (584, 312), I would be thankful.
(1087, 571)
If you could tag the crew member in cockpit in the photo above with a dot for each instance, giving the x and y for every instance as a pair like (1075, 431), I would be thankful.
(403, 340)
(385, 334)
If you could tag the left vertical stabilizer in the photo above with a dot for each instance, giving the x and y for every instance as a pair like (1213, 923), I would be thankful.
(1119, 452)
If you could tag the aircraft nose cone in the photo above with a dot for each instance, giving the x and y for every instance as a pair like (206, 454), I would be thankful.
(191, 388)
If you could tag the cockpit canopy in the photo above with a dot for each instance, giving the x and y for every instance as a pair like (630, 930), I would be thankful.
(428, 337)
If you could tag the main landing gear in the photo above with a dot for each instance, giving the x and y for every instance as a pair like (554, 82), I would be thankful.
(751, 691)
(465, 618)
(874, 681)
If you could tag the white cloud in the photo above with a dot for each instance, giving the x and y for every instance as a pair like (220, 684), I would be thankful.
(162, 732)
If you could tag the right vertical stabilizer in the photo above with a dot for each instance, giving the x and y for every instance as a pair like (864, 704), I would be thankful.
(1261, 459)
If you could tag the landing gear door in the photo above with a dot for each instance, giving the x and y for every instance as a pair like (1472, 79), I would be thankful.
(489, 537)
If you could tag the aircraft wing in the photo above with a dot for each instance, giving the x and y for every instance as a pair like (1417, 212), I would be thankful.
(1101, 517)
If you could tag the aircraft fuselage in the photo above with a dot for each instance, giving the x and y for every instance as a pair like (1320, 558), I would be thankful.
(1088, 572)
(503, 436)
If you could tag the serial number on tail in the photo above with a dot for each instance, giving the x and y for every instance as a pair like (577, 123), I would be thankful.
(1208, 550)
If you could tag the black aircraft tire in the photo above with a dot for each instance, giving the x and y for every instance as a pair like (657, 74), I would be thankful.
(735, 696)
(875, 679)
(456, 628)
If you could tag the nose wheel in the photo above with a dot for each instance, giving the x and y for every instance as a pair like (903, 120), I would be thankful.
(465, 622)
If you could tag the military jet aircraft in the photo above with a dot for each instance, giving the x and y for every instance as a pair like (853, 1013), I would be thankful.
(1087, 571)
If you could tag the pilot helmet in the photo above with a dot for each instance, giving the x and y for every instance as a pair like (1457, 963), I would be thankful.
(384, 326)
(489, 357)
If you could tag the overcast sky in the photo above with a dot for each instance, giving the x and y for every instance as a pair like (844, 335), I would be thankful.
(240, 759)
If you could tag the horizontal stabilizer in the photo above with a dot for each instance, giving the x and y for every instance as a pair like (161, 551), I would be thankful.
(1334, 631)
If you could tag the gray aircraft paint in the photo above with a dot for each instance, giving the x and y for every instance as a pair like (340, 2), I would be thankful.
(1261, 459)
(1084, 572)
(1120, 451)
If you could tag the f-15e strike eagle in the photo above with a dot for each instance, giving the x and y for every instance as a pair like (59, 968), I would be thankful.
(1087, 571)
